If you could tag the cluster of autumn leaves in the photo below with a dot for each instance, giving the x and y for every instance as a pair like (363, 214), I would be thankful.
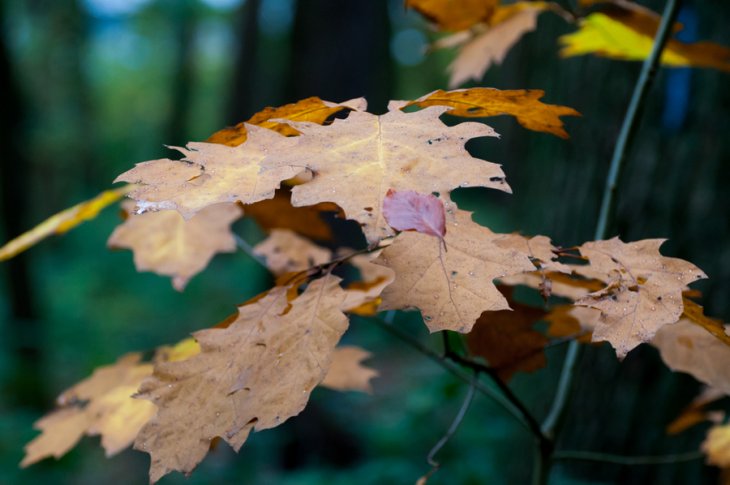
(392, 174)
(483, 32)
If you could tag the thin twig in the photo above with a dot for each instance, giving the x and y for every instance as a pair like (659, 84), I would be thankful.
(628, 130)
(455, 370)
(627, 460)
(450, 432)
(244, 246)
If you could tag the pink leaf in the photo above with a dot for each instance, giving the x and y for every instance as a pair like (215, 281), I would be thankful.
(406, 210)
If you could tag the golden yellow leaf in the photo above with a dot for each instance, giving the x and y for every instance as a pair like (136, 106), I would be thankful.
(211, 174)
(286, 252)
(256, 373)
(488, 44)
(572, 321)
(450, 282)
(310, 109)
(523, 104)
(356, 161)
(454, 14)
(63, 221)
(626, 38)
(346, 373)
(695, 314)
(643, 292)
(169, 245)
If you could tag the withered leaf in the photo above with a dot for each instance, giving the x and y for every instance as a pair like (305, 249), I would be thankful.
(397, 150)
(99, 405)
(286, 252)
(407, 210)
(347, 373)
(451, 286)
(256, 373)
(643, 292)
(211, 174)
(169, 245)
(507, 340)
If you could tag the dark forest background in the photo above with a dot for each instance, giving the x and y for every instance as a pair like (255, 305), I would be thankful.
(88, 88)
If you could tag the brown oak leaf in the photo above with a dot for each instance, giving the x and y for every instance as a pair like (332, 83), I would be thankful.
(256, 373)
(169, 245)
(356, 161)
(347, 373)
(99, 405)
(507, 340)
(643, 292)
(286, 252)
(451, 286)
(211, 174)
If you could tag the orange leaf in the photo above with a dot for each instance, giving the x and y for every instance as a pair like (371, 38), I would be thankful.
(454, 14)
(523, 104)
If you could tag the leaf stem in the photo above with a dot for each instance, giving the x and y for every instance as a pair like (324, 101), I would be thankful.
(629, 127)
(627, 460)
(451, 430)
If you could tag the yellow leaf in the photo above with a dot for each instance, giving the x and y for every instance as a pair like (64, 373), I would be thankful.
(717, 445)
(606, 36)
(63, 221)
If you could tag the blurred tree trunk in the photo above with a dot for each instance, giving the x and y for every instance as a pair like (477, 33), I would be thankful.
(242, 105)
(183, 15)
(340, 50)
(23, 330)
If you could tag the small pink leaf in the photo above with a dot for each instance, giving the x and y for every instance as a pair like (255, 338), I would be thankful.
(406, 210)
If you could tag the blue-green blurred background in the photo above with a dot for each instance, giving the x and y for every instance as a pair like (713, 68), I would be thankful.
(90, 87)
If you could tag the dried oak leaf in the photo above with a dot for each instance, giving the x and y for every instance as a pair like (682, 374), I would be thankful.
(99, 405)
(619, 33)
(572, 321)
(278, 213)
(686, 347)
(695, 314)
(643, 292)
(356, 161)
(562, 285)
(211, 174)
(169, 245)
(347, 373)
(488, 44)
(256, 373)
(451, 286)
(523, 104)
(310, 109)
(507, 340)
(454, 14)
(286, 252)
